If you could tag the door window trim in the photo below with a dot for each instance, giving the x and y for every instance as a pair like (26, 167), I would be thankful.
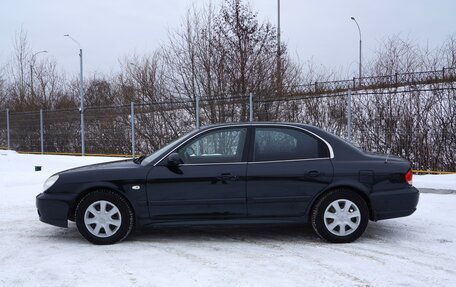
(246, 144)
(309, 133)
(249, 142)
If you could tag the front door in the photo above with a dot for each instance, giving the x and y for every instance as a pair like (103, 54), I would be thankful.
(210, 182)
(288, 167)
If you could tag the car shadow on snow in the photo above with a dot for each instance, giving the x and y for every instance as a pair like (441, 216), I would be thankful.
(376, 231)
(382, 231)
(390, 231)
(224, 233)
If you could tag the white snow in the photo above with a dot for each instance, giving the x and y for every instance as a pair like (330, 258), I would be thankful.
(419, 250)
(435, 181)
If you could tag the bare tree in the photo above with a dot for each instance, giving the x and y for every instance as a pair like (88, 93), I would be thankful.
(3, 91)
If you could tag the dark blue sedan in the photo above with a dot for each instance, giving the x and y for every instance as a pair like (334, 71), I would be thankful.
(247, 173)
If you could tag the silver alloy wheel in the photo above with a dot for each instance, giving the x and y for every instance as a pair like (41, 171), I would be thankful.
(102, 218)
(342, 217)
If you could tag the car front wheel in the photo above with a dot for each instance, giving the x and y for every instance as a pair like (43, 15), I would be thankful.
(340, 216)
(104, 217)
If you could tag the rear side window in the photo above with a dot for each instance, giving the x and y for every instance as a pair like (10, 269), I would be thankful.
(277, 143)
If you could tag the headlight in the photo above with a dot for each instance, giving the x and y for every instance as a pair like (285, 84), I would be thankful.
(50, 182)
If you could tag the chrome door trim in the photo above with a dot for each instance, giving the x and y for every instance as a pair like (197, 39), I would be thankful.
(288, 160)
(331, 152)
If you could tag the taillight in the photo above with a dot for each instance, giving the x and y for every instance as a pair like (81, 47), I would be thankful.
(409, 177)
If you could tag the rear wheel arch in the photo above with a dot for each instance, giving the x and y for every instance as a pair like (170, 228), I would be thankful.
(352, 188)
(340, 215)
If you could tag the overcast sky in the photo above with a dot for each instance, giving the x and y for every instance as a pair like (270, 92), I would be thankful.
(320, 29)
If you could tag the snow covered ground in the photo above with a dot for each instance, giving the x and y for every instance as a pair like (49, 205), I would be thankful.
(435, 181)
(419, 250)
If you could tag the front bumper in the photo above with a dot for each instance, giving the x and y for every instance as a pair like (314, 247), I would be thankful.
(53, 208)
(394, 203)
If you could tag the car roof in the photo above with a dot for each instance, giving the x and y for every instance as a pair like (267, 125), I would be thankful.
(258, 123)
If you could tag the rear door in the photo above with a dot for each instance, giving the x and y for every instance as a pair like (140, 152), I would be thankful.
(287, 167)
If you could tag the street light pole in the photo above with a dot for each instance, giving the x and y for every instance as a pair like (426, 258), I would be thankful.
(32, 62)
(81, 93)
(360, 46)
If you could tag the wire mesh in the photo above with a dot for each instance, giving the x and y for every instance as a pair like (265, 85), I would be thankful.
(25, 131)
(3, 131)
(416, 121)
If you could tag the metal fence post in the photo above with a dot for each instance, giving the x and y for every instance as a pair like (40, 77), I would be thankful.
(8, 128)
(197, 112)
(82, 134)
(251, 107)
(41, 131)
(81, 95)
(132, 120)
(349, 99)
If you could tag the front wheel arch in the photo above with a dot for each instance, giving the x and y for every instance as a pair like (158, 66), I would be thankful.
(87, 190)
(118, 202)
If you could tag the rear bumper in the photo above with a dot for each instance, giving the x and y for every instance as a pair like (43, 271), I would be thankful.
(394, 203)
(53, 208)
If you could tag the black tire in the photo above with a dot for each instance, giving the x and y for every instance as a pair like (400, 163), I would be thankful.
(112, 200)
(341, 197)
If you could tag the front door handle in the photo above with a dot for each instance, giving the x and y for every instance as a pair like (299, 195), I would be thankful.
(314, 173)
(227, 176)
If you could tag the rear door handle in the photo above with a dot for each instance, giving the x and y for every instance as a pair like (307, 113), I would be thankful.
(314, 173)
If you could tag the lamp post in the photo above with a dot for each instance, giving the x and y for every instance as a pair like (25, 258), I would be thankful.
(81, 94)
(32, 62)
(360, 45)
(279, 68)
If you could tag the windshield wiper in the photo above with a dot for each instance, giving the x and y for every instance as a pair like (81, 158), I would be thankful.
(138, 160)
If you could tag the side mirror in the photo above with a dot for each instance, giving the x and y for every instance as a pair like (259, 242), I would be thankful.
(174, 159)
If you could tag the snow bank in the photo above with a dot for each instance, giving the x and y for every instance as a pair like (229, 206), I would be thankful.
(12, 161)
(435, 181)
(6, 152)
(19, 169)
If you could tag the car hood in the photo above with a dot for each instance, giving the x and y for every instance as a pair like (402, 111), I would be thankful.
(112, 165)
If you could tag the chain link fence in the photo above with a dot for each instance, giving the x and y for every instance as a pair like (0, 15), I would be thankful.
(415, 119)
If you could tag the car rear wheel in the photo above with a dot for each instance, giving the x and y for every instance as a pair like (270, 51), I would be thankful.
(340, 216)
(104, 217)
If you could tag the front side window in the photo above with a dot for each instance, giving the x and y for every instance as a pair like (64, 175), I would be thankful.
(278, 143)
(219, 146)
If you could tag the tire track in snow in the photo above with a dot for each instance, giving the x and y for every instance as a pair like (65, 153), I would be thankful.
(352, 278)
(401, 257)
(273, 248)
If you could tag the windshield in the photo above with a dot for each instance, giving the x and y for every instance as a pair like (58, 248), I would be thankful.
(152, 157)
